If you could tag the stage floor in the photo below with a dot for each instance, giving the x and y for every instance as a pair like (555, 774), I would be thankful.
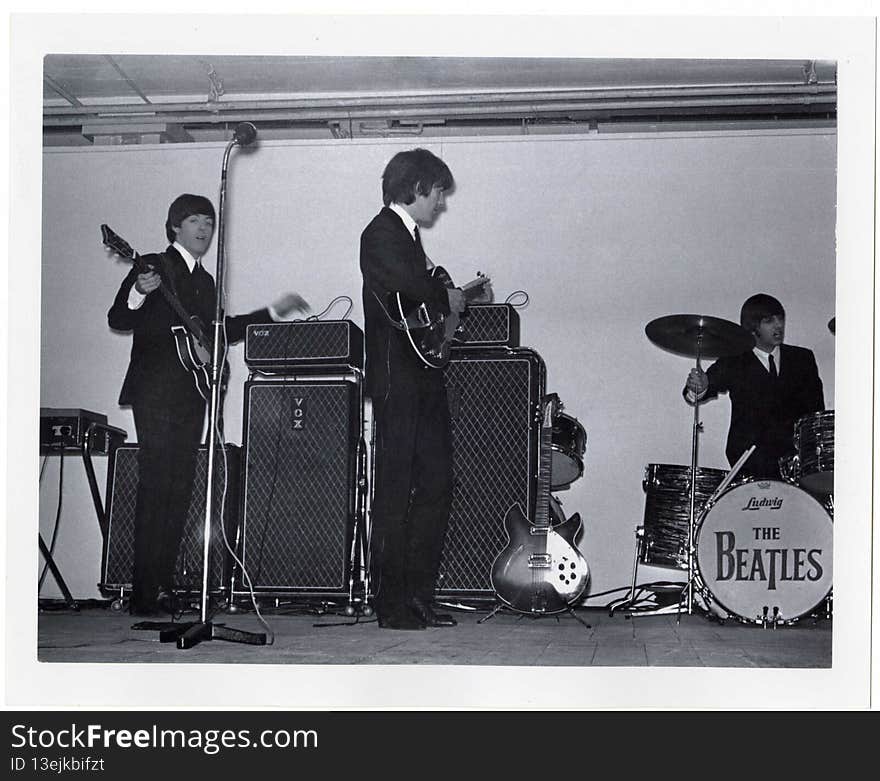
(97, 634)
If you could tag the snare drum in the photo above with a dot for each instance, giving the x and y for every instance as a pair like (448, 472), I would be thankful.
(814, 442)
(569, 442)
(667, 510)
(764, 552)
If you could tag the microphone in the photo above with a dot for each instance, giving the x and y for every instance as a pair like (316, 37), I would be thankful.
(244, 134)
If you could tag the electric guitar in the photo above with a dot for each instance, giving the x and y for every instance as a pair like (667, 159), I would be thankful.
(430, 332)
(194, 344)
(541, 571)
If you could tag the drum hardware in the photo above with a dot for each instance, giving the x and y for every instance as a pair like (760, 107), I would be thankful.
(697, 336)
(631, 599)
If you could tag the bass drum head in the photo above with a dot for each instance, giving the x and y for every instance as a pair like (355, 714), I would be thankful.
(764, 550)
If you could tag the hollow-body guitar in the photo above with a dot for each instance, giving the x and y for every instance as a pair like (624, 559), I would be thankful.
(540, 570)
(431, 332)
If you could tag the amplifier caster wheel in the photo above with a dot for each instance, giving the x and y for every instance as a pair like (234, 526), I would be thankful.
(349, 610)
(117, 605)
(367, 611)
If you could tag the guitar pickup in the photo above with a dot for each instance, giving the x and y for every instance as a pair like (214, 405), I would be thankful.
(537, 531)
(539, 561)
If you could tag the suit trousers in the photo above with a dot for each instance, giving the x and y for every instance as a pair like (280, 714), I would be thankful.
(168, 439)
(413, 488)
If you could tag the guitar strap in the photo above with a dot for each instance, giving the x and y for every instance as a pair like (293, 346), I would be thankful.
(394, 323)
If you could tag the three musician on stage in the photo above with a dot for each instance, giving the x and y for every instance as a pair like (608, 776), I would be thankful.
(770, 386)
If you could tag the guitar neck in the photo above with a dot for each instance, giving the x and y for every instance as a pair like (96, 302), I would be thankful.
(542, 502)
(189, 322)
(473, 289)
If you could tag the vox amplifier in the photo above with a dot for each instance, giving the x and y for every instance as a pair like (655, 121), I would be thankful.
(488, 325)
(276, 347)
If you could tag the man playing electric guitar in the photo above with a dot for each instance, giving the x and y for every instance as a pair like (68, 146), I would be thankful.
(169, 411)
(413, 446)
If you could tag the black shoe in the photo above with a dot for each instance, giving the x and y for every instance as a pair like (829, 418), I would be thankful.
(399, 620)
(424, 612)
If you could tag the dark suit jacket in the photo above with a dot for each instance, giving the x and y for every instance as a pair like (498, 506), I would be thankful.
(154, 371)
(390, 262)
(763, 411)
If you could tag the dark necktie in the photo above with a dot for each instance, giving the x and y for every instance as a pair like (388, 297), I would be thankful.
(773, 372)
(420, 252)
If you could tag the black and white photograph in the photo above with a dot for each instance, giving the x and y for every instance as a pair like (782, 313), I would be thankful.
(426, 361)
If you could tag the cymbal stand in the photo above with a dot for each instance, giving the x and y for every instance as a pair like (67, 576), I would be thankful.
(695, 449)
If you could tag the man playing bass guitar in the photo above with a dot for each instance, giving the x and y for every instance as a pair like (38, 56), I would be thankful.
(168, 409)
(413, 447)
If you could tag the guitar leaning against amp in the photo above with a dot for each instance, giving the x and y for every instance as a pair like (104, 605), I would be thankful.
(540, 571)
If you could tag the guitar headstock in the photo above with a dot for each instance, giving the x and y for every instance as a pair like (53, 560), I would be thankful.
(116, 243)
(479, 290)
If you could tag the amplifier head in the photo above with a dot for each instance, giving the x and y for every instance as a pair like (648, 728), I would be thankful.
(280, 346)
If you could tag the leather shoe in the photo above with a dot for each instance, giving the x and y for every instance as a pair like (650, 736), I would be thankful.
(424, 612)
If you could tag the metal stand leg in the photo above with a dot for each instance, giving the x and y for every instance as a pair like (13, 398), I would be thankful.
(56, 573)
(628, 602)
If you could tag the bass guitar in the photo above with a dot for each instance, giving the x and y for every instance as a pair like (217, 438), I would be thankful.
(540, 570)
(431, 332)
(194, 344)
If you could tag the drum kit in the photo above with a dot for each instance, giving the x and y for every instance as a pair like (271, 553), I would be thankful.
(757, 551)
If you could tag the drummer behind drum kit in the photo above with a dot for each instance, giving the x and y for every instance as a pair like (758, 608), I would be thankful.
(758, 551)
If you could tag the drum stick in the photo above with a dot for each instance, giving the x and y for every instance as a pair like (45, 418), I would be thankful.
(730, 475)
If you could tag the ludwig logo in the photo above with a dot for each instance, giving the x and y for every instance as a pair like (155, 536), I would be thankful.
(763, 503)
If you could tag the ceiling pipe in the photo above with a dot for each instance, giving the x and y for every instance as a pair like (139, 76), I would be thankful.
(782, 91)
(270, 111)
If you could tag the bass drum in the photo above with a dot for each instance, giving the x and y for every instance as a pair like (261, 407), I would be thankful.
(764, 552)
(568, 444)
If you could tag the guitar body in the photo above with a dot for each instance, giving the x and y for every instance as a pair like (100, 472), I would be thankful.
(540, 570)
(193, 358)
(431, 332)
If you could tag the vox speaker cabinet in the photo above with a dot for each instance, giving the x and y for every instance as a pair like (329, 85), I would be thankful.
(122, 484)
(299, 485)
(494, 398)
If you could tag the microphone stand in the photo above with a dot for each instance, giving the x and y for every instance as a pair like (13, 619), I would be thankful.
(190, 634)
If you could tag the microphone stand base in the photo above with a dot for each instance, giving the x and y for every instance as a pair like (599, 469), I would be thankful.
(188, 634)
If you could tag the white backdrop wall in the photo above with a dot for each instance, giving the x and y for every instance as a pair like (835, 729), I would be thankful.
(605, 233)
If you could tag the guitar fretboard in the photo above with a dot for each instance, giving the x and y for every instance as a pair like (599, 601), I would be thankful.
(545, 456)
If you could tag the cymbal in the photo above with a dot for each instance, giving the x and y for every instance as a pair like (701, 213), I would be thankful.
(699, 335)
